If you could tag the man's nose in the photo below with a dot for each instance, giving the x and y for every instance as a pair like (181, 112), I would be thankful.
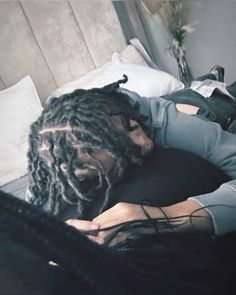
(147, 146)
(141, 139)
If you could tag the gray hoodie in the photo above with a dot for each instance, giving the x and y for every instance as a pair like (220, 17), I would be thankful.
(168, 127)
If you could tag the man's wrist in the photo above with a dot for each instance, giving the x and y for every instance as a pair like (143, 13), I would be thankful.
(186, 216)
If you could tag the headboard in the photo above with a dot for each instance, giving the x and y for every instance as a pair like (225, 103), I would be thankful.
(55, 41)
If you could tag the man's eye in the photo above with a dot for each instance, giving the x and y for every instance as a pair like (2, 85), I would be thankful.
(132, 128)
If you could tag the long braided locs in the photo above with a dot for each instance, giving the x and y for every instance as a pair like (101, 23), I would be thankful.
(77, 124)
(173, 264)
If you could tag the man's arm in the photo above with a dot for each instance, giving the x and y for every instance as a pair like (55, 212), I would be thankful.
(189, 214)
(186, 216)
(170, 128)
(208, 140)
(195, 134)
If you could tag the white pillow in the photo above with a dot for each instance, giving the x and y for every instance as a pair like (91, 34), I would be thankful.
(19, 107)
(144, 80)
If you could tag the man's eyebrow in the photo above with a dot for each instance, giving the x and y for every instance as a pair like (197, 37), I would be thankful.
(81, 171)
(134, 127)
(85, 172)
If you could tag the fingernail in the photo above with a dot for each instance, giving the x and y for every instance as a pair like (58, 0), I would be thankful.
(100, 241)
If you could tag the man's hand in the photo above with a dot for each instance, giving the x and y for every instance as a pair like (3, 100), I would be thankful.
(86, 226)
(122, 212)
(119, 213)
(189, 217)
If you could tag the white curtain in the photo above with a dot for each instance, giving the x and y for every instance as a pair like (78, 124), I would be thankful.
(137, 22)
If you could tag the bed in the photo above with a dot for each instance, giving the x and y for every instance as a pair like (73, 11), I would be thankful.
(50, 48)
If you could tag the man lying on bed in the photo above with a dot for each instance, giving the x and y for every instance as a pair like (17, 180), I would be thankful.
(84, 142)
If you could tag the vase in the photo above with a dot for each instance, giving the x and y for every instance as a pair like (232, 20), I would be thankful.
(185, 75)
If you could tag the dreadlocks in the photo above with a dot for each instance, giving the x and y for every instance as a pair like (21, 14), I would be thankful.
(166, 263)
(73, 125)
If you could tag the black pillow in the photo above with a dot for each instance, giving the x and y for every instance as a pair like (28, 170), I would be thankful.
(168, 176)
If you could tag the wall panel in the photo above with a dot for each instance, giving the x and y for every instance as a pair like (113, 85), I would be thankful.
(100, 27)
(59, 38)
(55, 41)
(20, 54)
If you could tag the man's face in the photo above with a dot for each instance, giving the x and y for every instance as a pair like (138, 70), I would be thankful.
(138, 136)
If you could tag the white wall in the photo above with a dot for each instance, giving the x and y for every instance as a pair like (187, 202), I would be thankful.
(55, 41)
(214, 40)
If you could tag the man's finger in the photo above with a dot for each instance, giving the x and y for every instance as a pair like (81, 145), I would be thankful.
(83, 225)
(96, 239)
